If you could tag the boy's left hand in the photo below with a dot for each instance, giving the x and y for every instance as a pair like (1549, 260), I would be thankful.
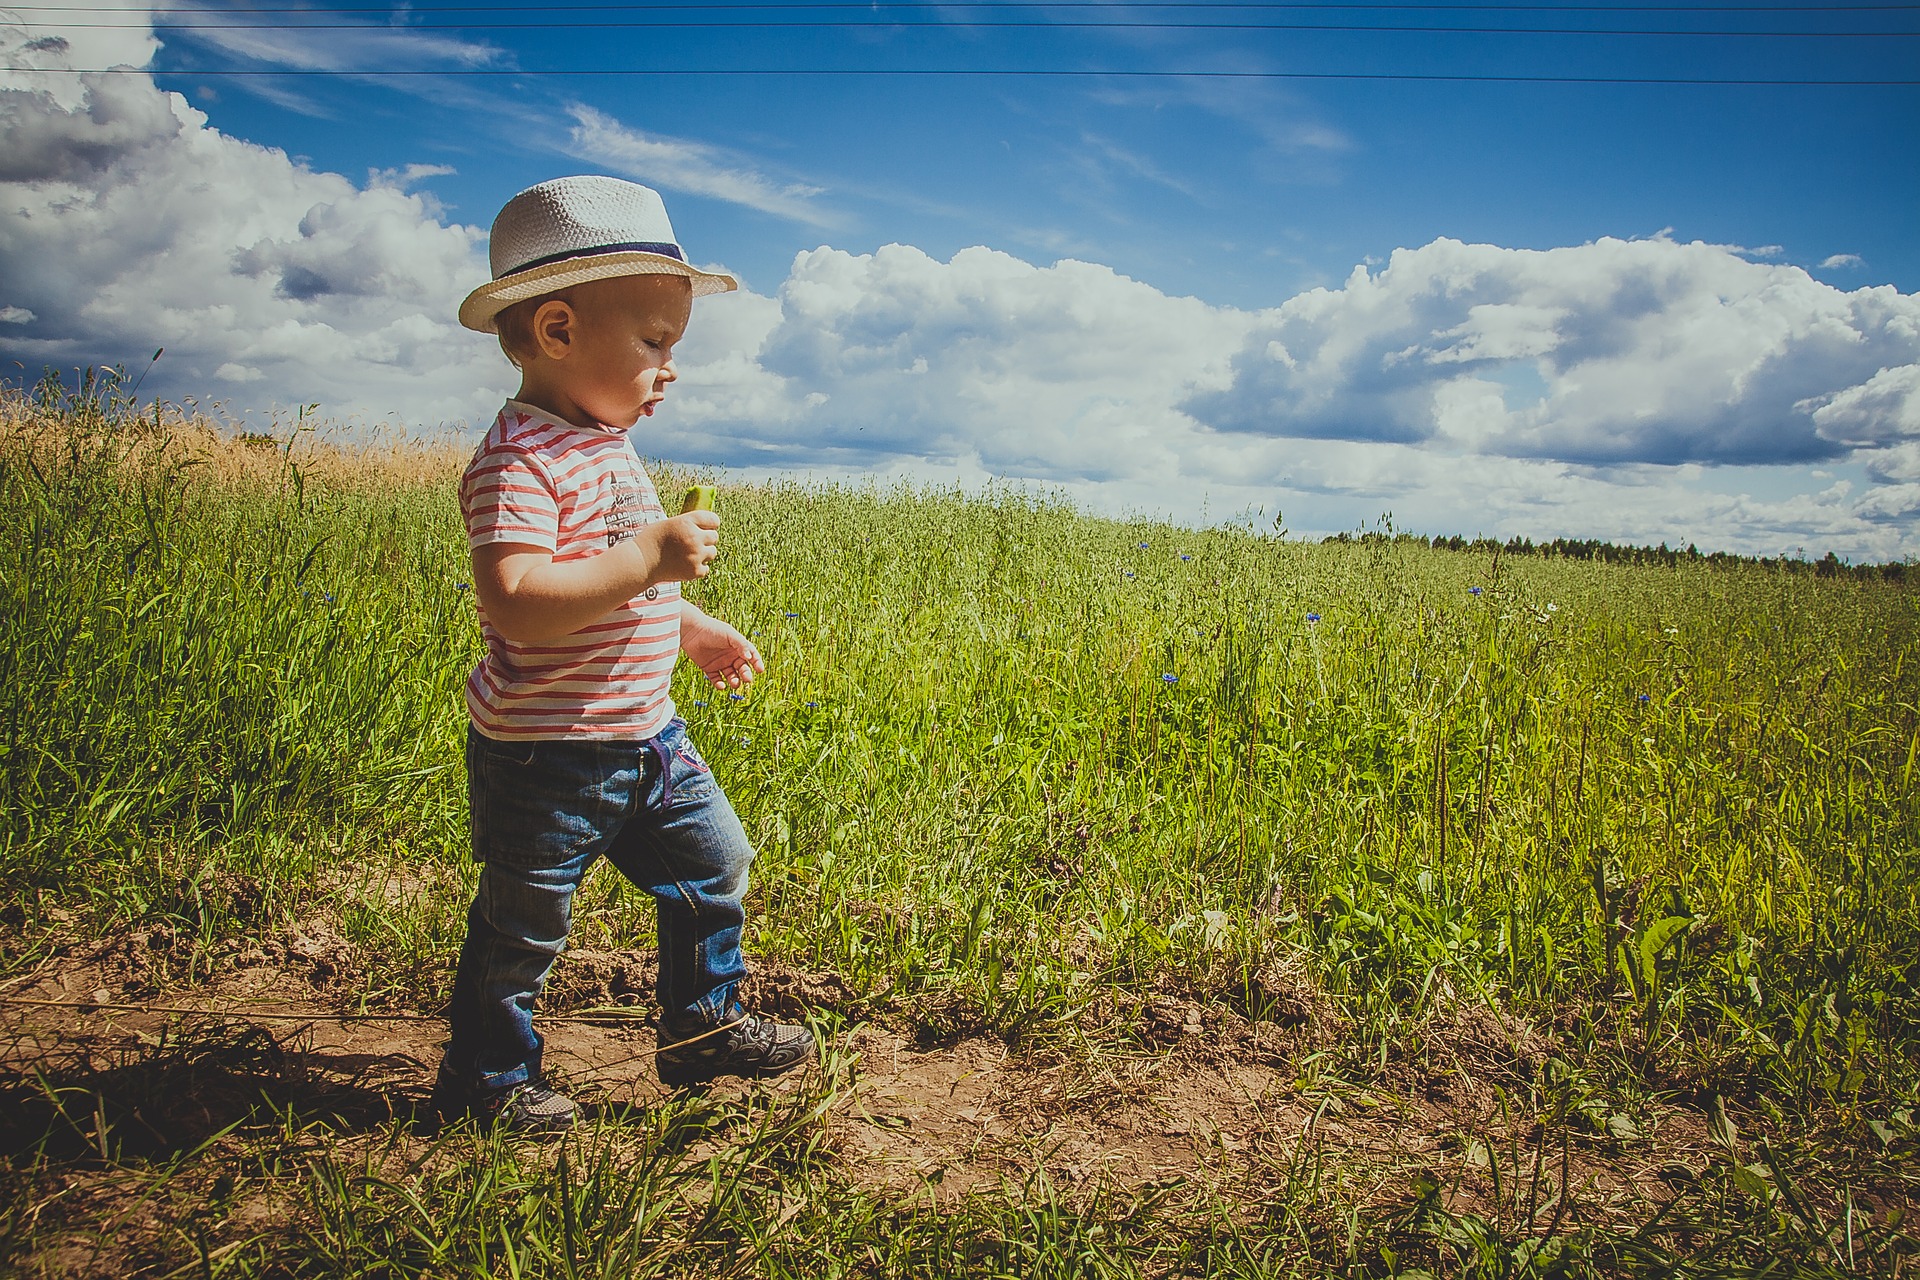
(727, 658)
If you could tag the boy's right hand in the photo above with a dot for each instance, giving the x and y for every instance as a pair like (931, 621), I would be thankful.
(684, 545)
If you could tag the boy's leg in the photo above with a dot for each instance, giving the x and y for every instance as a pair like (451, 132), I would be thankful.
(687, 848)
(542, 812)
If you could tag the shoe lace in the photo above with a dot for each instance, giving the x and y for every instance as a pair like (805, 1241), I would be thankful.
(743, 1022)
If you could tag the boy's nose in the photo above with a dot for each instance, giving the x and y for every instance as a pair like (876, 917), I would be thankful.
(667, 372)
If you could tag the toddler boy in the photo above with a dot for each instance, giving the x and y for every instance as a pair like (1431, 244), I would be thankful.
(574, 752)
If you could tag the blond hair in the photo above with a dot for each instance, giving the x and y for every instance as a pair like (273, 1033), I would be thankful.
(514, 324)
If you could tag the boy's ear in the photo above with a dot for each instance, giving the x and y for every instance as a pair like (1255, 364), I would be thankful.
(553, 325)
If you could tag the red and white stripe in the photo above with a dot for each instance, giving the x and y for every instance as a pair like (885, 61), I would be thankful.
(574, 492)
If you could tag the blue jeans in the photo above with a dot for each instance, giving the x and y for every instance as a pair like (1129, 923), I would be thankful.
(543, 813)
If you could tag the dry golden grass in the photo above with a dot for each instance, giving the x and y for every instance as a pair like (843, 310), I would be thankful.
(170, 436)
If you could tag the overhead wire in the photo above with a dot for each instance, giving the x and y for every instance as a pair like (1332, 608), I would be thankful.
(214, 20)
(997, 5)
(968, 25)
(1037, 72)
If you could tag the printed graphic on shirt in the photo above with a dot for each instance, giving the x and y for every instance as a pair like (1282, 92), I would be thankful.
(625, 512)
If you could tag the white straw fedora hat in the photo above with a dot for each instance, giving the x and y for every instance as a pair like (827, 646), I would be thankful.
(572, 230)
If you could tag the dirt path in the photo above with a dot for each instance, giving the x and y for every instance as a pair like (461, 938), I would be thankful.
(1225, 1101)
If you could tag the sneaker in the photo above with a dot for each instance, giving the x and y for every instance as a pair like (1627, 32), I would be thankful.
(751, 1046)
(530, 1108)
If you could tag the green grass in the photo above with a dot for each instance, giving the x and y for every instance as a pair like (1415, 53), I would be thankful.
(1020, 763)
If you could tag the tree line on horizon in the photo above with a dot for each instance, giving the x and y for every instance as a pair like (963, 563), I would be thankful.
(1596, 549)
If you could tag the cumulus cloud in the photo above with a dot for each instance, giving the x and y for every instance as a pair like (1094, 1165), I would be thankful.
(1592, 391)
(1068, 372)
(129, 224)
(1882, 411)
(693, 167)
(1631, 390)
(98, 36)
(49, 142)
(1612, 352)
(1843, 261)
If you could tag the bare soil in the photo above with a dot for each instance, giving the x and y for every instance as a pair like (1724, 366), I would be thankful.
(926, 1105)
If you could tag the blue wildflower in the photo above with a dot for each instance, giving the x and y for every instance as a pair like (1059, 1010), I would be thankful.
(1143, 546)
(735, 696)
(1313, 617)
(813, 704)
(1170, 678)
(1473, 591)
(1185, 556)
(698, 703)
(329, 599)
(792, 614)
(1641, 697)
(463, 586)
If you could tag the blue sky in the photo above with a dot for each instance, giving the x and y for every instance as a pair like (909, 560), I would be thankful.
(1240, 191)
(1637, 311)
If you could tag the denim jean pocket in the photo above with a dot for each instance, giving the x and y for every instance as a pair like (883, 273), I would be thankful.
(516, 755)
(691, 776)
(538, 804)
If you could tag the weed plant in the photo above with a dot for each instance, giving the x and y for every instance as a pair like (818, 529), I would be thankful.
(1017, 770)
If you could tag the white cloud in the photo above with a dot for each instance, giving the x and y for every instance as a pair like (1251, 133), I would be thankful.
(692, 167)
(128, 224)
(1468, 388)
(1899, 464)
(102, 36)
(1015, 367)
(407, 175)
(1883, 411)
(1612, 352)
(46, 140)
(346, 51)
(1843, 261)
(345, 47)
(1624, 389)
(1893, 503)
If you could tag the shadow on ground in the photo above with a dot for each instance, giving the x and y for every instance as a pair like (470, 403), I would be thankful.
(178, 1090)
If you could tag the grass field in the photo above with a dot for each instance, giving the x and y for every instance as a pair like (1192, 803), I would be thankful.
(1534, 916)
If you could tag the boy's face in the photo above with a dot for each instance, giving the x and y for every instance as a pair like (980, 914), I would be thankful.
(609, 355)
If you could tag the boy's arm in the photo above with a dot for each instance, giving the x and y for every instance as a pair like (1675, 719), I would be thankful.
(728, 659)
(529, 598)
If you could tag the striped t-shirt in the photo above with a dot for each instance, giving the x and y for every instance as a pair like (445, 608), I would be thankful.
(575, 492)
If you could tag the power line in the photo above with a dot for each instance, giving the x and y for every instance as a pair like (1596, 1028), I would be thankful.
(966, 25)
(931, 72)
(963, 26)
(1010, 5)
